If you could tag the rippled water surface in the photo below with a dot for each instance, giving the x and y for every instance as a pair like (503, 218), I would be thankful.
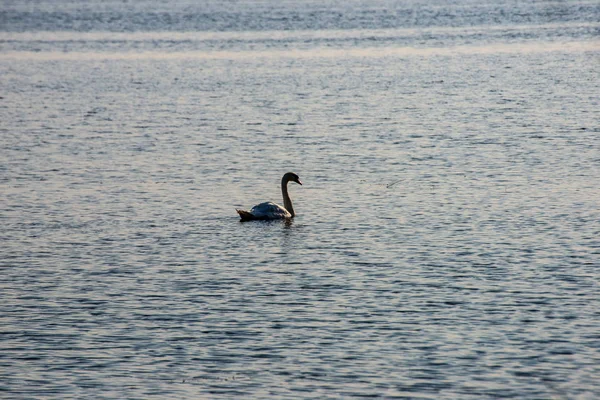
(447, 238)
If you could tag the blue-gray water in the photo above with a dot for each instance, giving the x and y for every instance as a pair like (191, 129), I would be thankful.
(447, 242)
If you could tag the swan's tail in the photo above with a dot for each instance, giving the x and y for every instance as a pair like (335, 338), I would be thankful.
(245, 215)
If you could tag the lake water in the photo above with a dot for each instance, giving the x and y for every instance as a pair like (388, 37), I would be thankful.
(447, 238)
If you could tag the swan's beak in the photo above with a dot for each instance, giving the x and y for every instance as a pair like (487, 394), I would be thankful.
(299, 182)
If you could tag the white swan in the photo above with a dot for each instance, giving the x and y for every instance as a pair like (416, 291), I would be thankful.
(269, 210)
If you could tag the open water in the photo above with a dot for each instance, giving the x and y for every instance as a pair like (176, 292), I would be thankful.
(447, 238)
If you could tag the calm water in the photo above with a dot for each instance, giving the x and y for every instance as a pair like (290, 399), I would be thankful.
(447, 243)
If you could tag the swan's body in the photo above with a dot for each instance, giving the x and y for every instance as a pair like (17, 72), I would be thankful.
(269, 210)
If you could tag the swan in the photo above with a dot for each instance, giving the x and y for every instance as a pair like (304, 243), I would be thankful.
(269, 210)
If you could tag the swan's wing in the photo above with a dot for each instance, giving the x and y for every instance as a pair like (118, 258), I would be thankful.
(270, 210)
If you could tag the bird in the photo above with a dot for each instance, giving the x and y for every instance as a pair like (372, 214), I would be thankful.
(269, 210)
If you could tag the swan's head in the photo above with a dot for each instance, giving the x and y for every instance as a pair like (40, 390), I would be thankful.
(290, 176)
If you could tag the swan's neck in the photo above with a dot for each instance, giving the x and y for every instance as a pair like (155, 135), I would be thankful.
(287, 202)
